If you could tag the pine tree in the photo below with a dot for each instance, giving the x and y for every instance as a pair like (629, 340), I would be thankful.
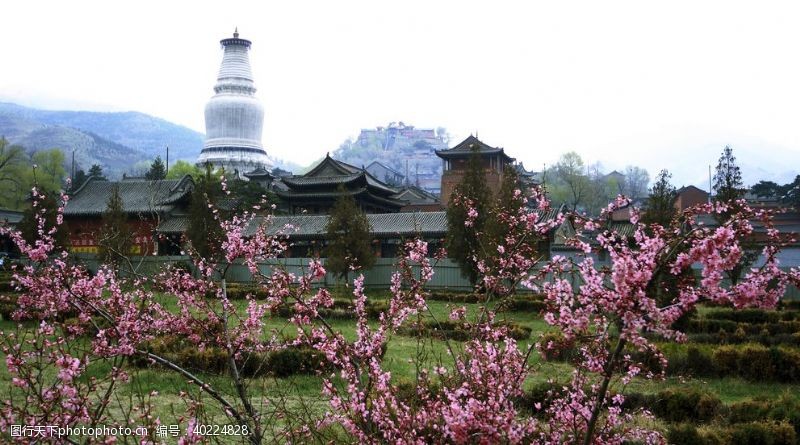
(728, 185)
(349, 241)
(78, 180)
(115, 235)
(29, 226)
(661, 202)
(508, 202)
(728, 188)
(157, 170)
(204, 232)
(97, 172)
(464, 243)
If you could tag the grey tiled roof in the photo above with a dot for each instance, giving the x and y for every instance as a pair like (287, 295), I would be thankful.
(383, 225)
(10, 216)
(299, 181)
(138, 195)
(174, 224)
(415, 195)
(466, 146)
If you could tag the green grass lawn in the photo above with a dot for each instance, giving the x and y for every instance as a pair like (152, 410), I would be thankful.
(302, 394)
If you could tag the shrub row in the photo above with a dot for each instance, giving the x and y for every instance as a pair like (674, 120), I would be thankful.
(341, 310)
(238, 291)
(672, 405)
(523, 303)
(8, 304)
(686, 406)
(281, 363)
(456, 297)
(756, 433)
(6, 286)
(452, 330)
(723, 338)
(752, 315)
(750, 362)
(705, 325)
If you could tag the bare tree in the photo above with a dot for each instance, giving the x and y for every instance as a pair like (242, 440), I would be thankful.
(636, 181)
(570, 173)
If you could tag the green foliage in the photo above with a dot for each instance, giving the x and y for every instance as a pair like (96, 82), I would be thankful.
(157, 170)
(570, 184)
(78, 180)
(115, 235)
(661, 203)
(250, 193)
(29, 227)
(728, 187)
(15, 168)
(349, 241)
(182, 168)
(97, 172)
(204, 233)
(464, 243)
(727, 183)
(767, 189)
(48, 170)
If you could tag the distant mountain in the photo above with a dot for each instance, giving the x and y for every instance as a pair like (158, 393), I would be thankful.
(116, 141)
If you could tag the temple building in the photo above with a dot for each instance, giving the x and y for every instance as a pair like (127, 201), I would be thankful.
(234, 116)
(316, 191)
(456, 161)
(149, 205)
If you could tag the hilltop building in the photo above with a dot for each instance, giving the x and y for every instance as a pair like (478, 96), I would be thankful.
(456, 160)
(388, 175)
(234, 116)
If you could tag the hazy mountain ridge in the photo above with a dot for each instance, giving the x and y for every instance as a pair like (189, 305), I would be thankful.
(139, 131)
(115, 140)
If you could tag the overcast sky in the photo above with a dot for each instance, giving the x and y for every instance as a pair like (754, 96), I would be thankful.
(660, 85)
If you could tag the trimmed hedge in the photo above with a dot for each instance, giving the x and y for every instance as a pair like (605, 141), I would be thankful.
(705, 325)
(750, 361)
(673, 405)
(723, 338)
(8, 304)
(752, 316)
(757, 433)
(281, 363)
(452, 330)
(341, 310)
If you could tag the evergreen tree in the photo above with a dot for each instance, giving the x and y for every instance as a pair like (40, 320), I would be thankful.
(157, 170)
(97, 172)
(115, 236)
(464, 243)
(728, 187)
(349, 241)
(507, 202)
(204, 233)
(29, 226)
(767, 189)
(78, 180)
(661, 202)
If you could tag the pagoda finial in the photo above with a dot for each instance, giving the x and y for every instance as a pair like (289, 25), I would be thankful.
(236, 33)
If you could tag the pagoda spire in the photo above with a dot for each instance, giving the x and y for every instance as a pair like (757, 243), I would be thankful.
(234, 116)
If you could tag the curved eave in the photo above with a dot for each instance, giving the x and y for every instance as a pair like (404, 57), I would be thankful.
(463, 154)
